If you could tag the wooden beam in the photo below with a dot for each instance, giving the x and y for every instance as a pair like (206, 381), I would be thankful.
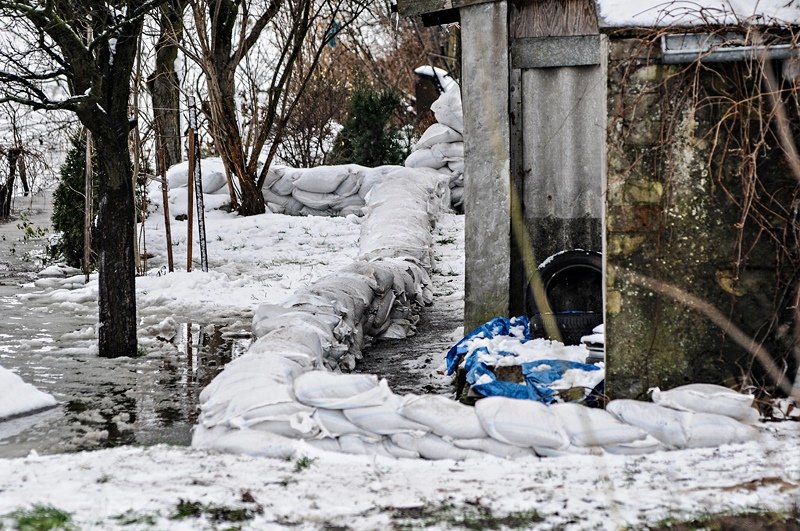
(548, 52)
(549, 18)
(410, 8)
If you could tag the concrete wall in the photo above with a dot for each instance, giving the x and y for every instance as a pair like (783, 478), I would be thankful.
(674, 181)
(484, 39)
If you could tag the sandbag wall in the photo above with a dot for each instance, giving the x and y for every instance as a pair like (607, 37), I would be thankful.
(288, 387)
(441, 147)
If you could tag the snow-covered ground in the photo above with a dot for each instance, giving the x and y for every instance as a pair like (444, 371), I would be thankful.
(264, 259)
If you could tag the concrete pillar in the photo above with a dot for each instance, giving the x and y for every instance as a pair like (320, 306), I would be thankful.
(484, 34)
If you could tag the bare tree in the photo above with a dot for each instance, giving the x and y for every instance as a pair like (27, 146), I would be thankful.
(228, 32)
(50, 63)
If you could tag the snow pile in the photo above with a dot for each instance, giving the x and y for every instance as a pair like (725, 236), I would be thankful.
(287, 387)
(441, 146)
(657, 13)
(19, 398)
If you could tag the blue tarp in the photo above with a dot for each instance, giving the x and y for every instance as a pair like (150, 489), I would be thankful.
(537, 378)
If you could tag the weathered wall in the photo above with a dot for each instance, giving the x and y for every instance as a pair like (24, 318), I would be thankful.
(674, 182)
(484, 38)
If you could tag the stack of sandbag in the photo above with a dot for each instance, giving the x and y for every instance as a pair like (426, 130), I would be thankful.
(214, 185)
(441, 147)
(321, 191)
(692, 416)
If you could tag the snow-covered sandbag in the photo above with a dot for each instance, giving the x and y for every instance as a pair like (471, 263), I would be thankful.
(285, 185)
(594, 427)
(665, 424)
(350, 185)
(438, 134)
(322, 179)
(294, 343)
(494, 447)
(383, 419)
(708, 398)
(355, 444)
(425, 158)
(248, 442)
(340, 391)
(520, 422)
(297, 426)
(448, 110)
(443, 416)
(18, 397)
(456, 166)
(214, 182)
(432, 447)
(709, 430)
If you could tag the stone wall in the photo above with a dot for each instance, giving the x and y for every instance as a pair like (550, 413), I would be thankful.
(683, 210)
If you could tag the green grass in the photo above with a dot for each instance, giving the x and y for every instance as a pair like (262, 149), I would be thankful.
(216, 513)
(41, 518)
(303, 463)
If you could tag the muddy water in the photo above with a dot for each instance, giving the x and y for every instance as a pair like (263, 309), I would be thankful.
(102, 402)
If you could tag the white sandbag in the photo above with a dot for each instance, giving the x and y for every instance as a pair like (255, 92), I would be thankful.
(213, 182)
(456, 166)
(322, 179)
(709, 430)
(665, 424)
(276, 208)
(438, 134)
(520, 422)
(383, 419)
(648, 445)
(708, 398)
(443, 416)
(494, 447)
(594, 427)
(347, 202)
(451, 152)
(448, 110)
(285, 185)
(571, 449)
(308, 211)
(355, 444)
(299, 426)
(294, 343)
(457, 195)
(425, 158)
(350, 185)
(248, 442)
(340, 391)
(430, 446)
(327, 444)
(333, 423)
(315, 200)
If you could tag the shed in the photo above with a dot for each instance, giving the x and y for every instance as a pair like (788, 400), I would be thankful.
(660, 133)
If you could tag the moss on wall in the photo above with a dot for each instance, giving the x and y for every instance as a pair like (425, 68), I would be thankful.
(680, 210)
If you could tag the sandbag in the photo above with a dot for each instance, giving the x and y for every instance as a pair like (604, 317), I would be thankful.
(708, 398)
(452, 151)
(438, 134)
(494, 447)
(665, 424)
(647, 445)
(430, 446)
(594, 427)
(448, 110)
(322, 179)
(425, 158)
(520, 422)
(314, 200)
(333, 423)
(456, 166)
(248, 442)
(383, 419)
(340, 391)
(443, 416)
(709, 430)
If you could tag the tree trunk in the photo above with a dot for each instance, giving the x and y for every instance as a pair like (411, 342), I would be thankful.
(7, 189)
(117, 274)
(163, 83)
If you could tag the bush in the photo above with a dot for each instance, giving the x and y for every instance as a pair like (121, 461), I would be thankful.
(68, 203)
(369, 136)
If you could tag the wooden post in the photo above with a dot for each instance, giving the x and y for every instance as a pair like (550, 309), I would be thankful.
(162, 171)
(190, 185)
(88, 215)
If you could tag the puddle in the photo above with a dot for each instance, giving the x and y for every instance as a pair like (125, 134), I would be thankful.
(113, 402)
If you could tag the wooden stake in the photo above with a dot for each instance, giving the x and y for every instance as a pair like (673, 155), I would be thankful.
(190, 185)
(162, 171)
(88, 215)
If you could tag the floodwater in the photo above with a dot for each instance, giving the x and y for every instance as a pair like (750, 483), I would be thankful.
(102, 402)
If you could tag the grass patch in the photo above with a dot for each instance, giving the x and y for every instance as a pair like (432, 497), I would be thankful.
(134, 518)
(446, 241)
(475, 517)
(767, 521)
(303, 463)
(41, 518)
(215, 513)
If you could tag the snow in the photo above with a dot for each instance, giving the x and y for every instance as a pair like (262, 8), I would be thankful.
(660, 13)
(444, 77)
(18, 397)
(574, 492)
